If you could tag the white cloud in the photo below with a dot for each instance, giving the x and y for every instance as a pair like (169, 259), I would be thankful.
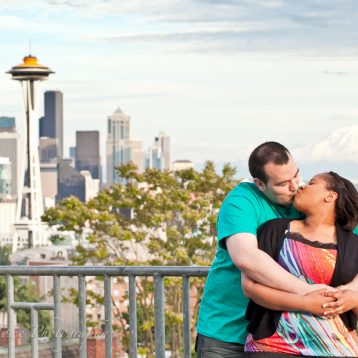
(292, 27)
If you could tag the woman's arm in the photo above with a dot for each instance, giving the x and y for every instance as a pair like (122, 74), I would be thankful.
(285, 301)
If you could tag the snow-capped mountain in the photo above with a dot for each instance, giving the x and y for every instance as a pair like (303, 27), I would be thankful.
(341, 145)
(338, 152)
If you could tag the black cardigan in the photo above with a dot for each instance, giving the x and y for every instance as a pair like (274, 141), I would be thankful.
(263, 321)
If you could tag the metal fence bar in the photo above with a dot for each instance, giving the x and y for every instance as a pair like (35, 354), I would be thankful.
(158, 272)
(198, 271)
(57, 316)
(32, 305)
(108, 315)
(159, 327)
(34, 333)
(132, 317)
(82, 315)
(11, 316)
(186, 316)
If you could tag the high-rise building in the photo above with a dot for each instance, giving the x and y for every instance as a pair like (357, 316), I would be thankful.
(121, 148)
(7, 124)
(118, 144)
(5, 179)
(163, 142)
(71, 182)
(137, 154)
(9, 148)
(91, 185)
(48, 172)
(51, 124)
(48, 148)
(7, 220)
(154, 158)
(88, 153)
(159, 154)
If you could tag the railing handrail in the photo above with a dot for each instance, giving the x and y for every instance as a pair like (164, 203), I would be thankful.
(157, 272)
(186, 271)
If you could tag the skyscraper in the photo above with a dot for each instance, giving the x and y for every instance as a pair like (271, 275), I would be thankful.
(87, 153)
(159, 154)
(7, 124)
(137, 154)
(118, 144)
(48, 149)
(162, 141)
(9, 148)
(71, 182)
(51, 124)
(5, 179)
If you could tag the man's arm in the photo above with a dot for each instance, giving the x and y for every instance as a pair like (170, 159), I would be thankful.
(261, 268)
(285, 301)
(353, 285)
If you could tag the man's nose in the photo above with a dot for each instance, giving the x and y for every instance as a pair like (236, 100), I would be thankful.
(294, 184)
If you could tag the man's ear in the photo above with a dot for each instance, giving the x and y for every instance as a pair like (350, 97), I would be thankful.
(260, 184)
(331, 196)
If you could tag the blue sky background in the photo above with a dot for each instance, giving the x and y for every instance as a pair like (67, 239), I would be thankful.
(219, 77)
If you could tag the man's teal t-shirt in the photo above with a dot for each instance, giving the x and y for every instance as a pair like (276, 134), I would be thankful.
(223, 305)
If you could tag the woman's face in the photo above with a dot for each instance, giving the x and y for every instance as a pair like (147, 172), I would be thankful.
(313, 195)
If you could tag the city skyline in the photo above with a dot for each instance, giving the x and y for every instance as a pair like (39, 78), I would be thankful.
(218, 77)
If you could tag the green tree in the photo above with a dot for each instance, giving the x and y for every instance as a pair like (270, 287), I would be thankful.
(153, 218)
(25, 291)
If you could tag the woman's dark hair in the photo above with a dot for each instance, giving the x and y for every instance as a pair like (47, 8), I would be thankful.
(267, 152)
(347, 201)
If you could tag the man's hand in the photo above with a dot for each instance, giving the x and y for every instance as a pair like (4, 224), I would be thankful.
(315, 301)
(345, 300)
(320, 286)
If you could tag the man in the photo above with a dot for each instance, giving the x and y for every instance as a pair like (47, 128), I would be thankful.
(221, 323)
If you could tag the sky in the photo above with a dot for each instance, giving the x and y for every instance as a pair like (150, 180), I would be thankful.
(218, 77)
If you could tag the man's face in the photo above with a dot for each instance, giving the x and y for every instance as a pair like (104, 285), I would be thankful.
(282, 182)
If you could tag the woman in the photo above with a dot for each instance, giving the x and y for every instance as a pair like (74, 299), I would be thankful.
(321, 249)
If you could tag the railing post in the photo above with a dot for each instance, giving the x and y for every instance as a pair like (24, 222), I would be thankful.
(34, 333)
(57, 316)
(132, 317)
(159, 320)
(157, 272)
(186, 316)
(82, 315)
(108, 315)
(11, 316)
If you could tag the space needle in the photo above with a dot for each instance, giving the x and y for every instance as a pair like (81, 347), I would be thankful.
(28, 225)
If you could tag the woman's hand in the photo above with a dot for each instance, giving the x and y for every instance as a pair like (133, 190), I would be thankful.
(315, 301)
(345, 300)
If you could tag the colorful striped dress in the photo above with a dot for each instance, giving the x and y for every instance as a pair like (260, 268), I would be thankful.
(301, 333)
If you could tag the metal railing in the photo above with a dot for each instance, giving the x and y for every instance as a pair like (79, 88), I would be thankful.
(157, 272)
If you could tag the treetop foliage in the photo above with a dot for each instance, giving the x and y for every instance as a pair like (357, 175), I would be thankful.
(152, 218)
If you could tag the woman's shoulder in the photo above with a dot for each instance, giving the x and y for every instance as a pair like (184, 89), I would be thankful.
(348, 235)
(275, 224)
(271, 234)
